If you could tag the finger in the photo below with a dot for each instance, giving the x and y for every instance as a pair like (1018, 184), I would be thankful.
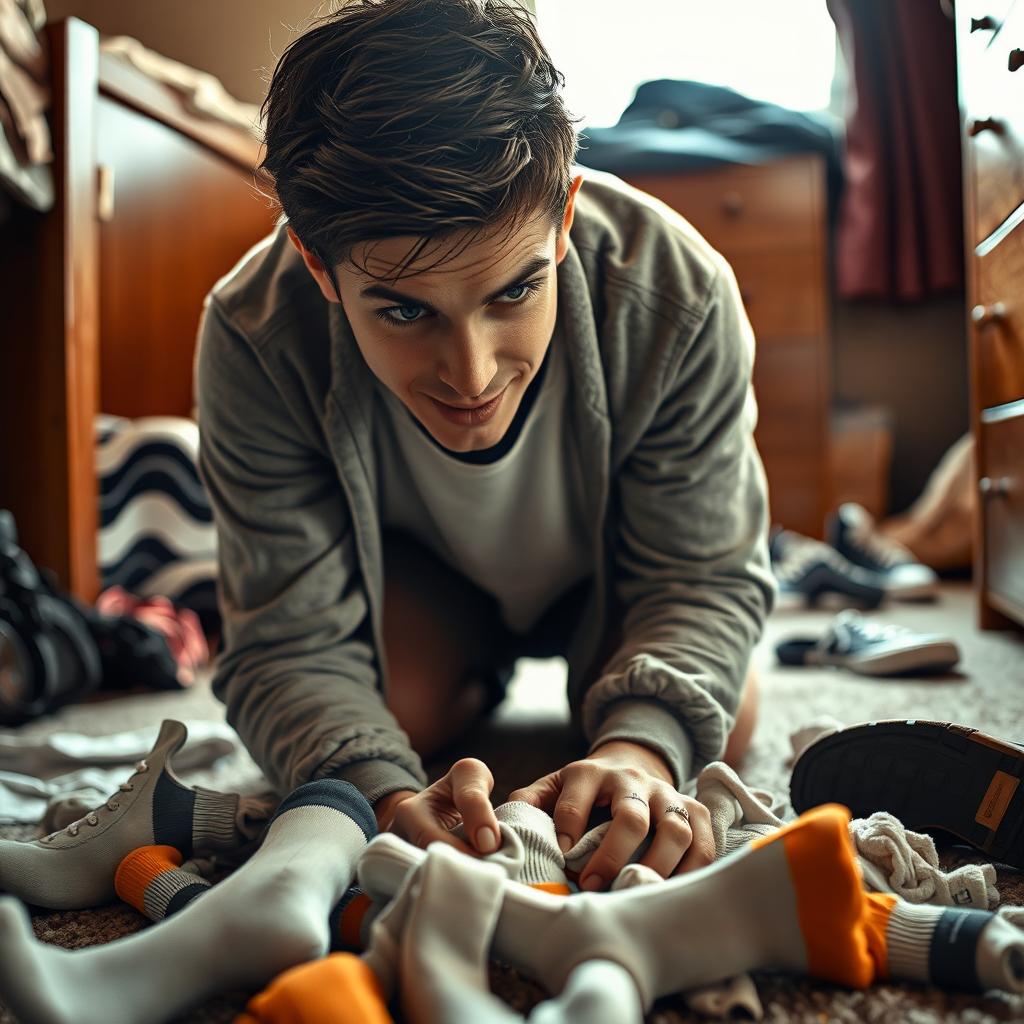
(471, 783)
(439, 835)
(543, 793)
(575, 802)
(414, 822)
(673, 836)
(630, 821)
(702, 850)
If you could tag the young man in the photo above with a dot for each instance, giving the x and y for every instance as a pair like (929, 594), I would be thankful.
(465, 405)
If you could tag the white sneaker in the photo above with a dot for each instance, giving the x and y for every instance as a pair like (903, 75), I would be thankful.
(872, 649)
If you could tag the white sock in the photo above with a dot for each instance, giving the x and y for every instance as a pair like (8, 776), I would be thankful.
(268, 916)
(792, 902)
(434, 940)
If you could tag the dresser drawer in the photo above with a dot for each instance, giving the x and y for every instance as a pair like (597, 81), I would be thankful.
(778, 204)
(1002, 495)
(783, 291)
(993, 101)
(998, 321)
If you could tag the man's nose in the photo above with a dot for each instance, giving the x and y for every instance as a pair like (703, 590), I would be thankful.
(468, 366)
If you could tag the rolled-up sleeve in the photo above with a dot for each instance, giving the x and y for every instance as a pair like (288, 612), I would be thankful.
(691, 567)
(298, 672)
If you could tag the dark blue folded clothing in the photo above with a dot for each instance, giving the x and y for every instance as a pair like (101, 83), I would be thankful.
(678, 126)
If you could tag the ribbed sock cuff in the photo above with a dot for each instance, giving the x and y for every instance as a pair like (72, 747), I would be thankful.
(741, 838)
(150, 880)
(168, 895)
(335, 793)
(214, 820)
(543, 862)
(908, 938)
(138, 869)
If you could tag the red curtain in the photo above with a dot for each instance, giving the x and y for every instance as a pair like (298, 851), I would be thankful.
(900, 229)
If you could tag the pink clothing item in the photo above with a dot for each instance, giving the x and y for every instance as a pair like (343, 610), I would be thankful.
(179, 626)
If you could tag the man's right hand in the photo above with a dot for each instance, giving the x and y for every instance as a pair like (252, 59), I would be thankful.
(461, 796)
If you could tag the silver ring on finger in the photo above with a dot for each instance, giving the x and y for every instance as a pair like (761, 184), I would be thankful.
(681, 811)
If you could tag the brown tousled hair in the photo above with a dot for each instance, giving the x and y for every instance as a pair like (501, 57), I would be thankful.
(437, 119)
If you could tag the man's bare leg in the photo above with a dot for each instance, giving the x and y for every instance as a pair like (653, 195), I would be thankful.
(746, 719)
(438, 629)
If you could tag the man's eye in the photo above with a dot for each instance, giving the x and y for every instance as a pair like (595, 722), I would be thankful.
(518, 292)
(401, 315)
(408, 313)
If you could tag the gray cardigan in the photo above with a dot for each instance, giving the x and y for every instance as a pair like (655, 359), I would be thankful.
(660, 353)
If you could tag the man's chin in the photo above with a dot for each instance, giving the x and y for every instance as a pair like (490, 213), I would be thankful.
(466, 439)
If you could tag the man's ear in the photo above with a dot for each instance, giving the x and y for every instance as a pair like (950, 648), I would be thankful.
(562, 241)
(315, 266)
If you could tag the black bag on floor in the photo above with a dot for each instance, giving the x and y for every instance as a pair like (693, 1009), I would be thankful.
(48, 656)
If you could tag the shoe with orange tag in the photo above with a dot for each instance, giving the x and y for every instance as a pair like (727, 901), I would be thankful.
(933, 776)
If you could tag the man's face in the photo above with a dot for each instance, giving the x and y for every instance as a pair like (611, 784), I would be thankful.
(458, 344)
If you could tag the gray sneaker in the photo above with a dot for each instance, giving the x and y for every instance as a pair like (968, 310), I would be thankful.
(851, 531)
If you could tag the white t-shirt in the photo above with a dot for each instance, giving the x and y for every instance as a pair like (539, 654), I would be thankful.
(514, 525)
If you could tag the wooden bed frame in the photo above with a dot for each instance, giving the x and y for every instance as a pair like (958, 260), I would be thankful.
(102, 294)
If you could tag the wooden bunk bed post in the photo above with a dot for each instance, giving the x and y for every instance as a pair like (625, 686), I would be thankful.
(49, 386)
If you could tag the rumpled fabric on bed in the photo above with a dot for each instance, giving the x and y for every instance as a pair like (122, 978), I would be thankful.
(156, 532)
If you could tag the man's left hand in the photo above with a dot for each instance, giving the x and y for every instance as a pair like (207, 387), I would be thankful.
(637, 784)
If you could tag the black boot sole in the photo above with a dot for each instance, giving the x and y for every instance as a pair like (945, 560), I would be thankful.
(932, 776)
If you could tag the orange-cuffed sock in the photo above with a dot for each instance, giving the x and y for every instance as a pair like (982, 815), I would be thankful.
(152, 880)
(340, 988)
(792, 901)
(830, 901)
(855, 937)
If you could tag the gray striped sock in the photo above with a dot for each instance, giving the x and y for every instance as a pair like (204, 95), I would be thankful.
(543, 862)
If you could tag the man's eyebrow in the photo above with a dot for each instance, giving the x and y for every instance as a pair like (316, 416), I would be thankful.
(380, 291)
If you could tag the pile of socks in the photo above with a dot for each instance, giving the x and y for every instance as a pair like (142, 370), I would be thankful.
(420, 926)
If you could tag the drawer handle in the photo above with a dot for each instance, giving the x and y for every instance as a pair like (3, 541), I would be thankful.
(732, 204)
(1016, 60)
(985, 124)
(984, 316)
(995, 487)
(983, 24)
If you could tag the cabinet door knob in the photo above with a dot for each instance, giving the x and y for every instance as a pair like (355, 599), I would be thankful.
(983, 24)
(982, 316)
(1016, 59)
(995, 486)
(984, 124)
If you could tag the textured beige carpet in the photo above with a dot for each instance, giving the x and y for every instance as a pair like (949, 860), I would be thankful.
(526, 740)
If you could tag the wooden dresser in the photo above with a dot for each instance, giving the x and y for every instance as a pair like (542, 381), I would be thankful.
(990, 57)
(770, 222)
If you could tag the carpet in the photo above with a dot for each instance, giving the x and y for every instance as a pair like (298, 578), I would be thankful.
(526, 738)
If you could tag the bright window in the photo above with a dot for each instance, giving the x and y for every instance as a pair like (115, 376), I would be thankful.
(778, 50)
